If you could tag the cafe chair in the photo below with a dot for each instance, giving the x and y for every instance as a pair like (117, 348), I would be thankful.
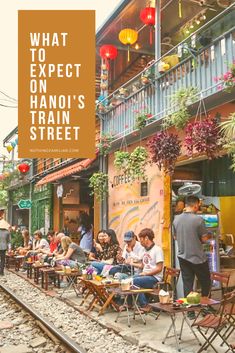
(222, 278)
(230, 315)
(216, 323)
(170, 279)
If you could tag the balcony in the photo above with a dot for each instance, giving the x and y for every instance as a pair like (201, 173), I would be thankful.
(213, 51)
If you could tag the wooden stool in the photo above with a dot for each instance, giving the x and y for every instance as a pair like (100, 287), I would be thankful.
(36, 272)
(29, 266)
(12, 261)
(46, 273)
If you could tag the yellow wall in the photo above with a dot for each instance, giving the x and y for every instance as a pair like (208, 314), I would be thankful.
(128, 210)
(227, 207)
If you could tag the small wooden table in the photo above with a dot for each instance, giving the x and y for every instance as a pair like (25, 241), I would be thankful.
(14, 260)
(36, 271)
(46, 273)
(134, 294)
(101, 293)
(172, 311)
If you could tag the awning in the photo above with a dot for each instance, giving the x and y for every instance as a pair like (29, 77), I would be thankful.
(62, 173)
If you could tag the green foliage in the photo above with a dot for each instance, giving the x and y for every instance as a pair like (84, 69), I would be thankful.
(180, 102)
(121, 160)
(137, 163)
(132, 164)
(104, 145)
(3, 196)
(16, 240)
(228, 131)
(140, 121)
(99, 185)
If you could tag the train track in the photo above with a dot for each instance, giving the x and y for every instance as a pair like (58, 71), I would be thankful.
(45, 325)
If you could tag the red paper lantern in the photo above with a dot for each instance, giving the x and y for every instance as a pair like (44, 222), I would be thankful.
(23, 168)
(147, 16)
(108, 51)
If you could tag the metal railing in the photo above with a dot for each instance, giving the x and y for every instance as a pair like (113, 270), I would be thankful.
(198, 69)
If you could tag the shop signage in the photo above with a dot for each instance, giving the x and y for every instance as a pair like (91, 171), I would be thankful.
(25, 204)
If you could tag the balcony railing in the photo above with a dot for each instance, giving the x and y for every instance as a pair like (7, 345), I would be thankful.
(198, 69)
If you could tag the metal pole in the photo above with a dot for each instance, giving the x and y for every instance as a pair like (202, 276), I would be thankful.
(158, 30)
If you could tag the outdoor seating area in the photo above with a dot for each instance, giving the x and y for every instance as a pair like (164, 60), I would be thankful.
(107, 298)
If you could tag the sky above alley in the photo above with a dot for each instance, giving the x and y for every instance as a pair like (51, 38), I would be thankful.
(9, 45)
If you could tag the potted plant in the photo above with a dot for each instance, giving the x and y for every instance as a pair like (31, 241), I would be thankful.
(228, 79)
(180, 102)
(203, 136)
(227, 129)
(147, 75)
(137, 163)
(165, 149)
(99, 185)
(104, 145)
(121, 160)
(178, 119)
(141, 120)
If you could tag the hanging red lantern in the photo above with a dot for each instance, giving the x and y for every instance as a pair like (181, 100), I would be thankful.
(23, 168)
(147, 16)
(108, 52)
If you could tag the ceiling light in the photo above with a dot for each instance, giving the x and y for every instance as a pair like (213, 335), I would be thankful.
(198, 22)
(137, 47)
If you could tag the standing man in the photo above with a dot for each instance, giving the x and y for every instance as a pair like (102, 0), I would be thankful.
(190, 232)
(4, 240)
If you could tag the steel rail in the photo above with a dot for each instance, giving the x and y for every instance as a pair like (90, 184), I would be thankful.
(64, 339)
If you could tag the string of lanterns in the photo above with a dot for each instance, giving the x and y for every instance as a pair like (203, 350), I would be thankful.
(108, 52)
(12, 145)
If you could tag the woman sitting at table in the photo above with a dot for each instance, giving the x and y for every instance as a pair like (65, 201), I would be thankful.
(28, 242)
(107, 252)
(97, 245)
(72, 253)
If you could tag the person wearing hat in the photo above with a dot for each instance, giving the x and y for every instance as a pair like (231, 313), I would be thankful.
(4, 241)
(131, 258)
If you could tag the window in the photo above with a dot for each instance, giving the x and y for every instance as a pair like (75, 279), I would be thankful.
(144, 189)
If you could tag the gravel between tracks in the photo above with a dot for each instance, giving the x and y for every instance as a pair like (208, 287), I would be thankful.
(87, 333)
(18, 331)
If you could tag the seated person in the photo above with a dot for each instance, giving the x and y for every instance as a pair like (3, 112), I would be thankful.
(72, 253)
(28, 242)
(97, 245)
(152, 266)
(47, 254)
(39, 244)
(106, 253)
(131, 258)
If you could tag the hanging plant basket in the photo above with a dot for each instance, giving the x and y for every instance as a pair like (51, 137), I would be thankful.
(138, 161)
(99, 185)
(104, 145)
(180, 101)
(121, 160)
(141, 120)
(204, 137)
(165, 149)
(227, 129)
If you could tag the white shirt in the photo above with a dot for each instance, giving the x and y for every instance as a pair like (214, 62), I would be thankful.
(43, 244)
(136, 254)
(150, 260)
